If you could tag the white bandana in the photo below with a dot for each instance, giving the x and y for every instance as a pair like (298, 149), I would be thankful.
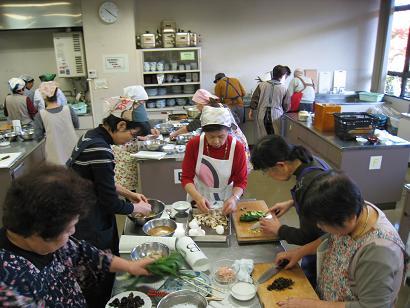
(212, 115)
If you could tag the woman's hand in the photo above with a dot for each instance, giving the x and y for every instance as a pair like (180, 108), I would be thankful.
(203, 204)
(270, 225)
(281, 208)
(293, 256)
(299, 303)
(142, 207)
(250, 114)
(137, 268)
(136, 197)
(229, 205)
(155, 132)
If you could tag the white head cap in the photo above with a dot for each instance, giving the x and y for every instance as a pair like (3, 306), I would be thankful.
(211, 115)
(299, 72)
(16, 84)
(137, 93)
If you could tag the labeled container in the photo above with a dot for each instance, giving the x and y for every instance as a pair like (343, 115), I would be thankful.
(349, 125)
(324, 121)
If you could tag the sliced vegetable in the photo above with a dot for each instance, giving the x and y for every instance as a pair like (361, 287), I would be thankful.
(251, 216)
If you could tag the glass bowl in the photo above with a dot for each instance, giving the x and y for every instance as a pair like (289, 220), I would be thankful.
(224, 273)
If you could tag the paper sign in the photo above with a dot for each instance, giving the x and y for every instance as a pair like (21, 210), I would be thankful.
(339, 80)
(187, 55)
(115, 63)
(325, 82)
(177, 176)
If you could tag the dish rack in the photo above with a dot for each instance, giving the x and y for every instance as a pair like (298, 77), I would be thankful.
(349, 125)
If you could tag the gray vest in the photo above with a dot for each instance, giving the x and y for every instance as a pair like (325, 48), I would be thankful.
(17, 108)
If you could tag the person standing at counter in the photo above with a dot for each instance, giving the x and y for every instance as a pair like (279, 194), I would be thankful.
(280, 161)
(231, 92)
(301, 92)
(204, 98)
(38, 98)
(42, 264)
(362, 258)
(55, 121)
(28, 89)
(18, 106)
(126, 167)
(214, 166)
(269, 103)
(93, 159)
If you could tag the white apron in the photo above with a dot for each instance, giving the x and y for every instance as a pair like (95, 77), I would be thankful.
(212, 175)
(60, 135)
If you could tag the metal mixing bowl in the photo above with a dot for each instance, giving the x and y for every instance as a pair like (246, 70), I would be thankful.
(160, 222)
(154, 144)
(165, 128)
(11, 136)
(183, 297)
(146, 249)
(183, 139)
(27, 134)
(157, 207)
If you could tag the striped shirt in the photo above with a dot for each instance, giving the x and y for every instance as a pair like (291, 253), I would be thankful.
(96, 163)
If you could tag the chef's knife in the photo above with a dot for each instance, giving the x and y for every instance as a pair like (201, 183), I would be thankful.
(272, 271)
(257, 224)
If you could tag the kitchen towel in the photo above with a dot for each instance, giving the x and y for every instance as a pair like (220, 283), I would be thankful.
(128, 242)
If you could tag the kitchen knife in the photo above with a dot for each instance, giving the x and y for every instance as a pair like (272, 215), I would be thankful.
(272, 271)
(257, 224)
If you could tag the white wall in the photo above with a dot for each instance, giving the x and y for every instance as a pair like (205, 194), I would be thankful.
(108, 39)
(245, 38)
(27, 52)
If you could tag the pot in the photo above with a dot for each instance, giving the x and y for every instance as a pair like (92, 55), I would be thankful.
(11, 136)
(183, 139)
(27, 134)
(165, 128)
(192, 112)
(153, 144)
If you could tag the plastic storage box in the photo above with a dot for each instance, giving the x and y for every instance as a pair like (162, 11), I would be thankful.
(370, 96)
(79, 108)
(349, 125)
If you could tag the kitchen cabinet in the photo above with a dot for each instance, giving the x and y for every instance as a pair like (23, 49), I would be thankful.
(33, 154)
(381, 185)
(180, 69)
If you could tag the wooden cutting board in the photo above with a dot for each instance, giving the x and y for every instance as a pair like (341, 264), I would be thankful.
(302, 288)
(243, 232)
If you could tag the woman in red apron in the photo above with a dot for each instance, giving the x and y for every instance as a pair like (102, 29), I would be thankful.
(214, 167)
(280, 160)
(361, 260)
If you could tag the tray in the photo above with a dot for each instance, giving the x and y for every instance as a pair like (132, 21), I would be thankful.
(210, 234)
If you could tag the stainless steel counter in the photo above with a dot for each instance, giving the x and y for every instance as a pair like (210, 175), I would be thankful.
(331, 138)
(25, 147)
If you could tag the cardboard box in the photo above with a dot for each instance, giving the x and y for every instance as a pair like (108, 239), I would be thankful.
(324, 120)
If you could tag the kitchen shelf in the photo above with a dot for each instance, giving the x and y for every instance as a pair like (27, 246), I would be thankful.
(170, 96)
(172, 72)
(168, 84)
(170, 49)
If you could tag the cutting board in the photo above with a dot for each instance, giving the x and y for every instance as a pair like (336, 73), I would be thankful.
(243, 232)
(302, 288)
(6, 163)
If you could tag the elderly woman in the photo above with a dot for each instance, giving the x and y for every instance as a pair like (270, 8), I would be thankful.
(269, 103)
(57, 123)
(204, 98)
(41, 261)
(17, 106)
(214, 166)
(301, 92)
(361, 258)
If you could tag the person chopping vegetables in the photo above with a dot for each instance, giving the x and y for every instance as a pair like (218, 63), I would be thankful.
(280, 161)
(214, 166)
(93, 159)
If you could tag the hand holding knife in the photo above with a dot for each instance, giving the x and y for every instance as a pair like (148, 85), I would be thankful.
(272, 271)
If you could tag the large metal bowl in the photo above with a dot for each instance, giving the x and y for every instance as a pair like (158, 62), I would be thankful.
(159, 222)
(165, 128)
(11, 136)
(183, 139)
(27, 134)
(157, 207)
(149, 249)
(183, 297)
(154, 144)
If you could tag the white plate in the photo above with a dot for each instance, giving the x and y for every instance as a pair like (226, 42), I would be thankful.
(243, 291)
(147, 300)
